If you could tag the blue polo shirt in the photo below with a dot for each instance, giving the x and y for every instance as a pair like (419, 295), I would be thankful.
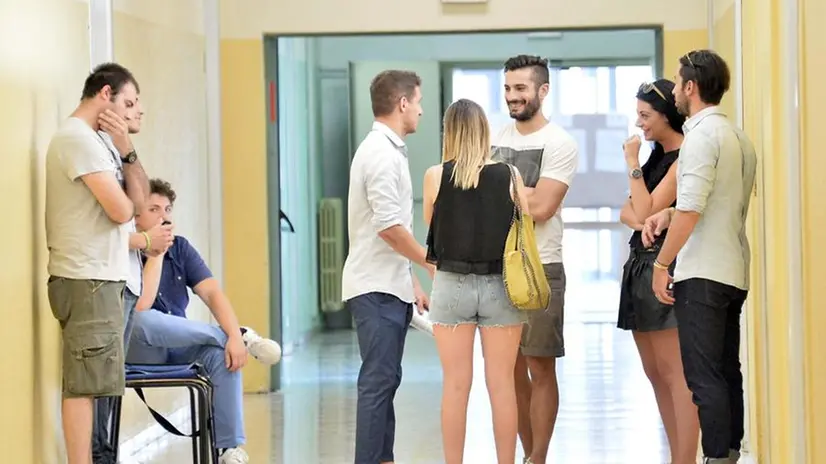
(183, 269)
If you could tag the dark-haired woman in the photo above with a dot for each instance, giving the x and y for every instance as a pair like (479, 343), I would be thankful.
(653, 187)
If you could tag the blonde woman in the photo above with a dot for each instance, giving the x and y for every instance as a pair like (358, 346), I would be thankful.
(468, 205)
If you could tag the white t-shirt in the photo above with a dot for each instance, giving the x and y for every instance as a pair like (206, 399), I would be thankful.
(135, 281)
(549, 153)
(83, 242)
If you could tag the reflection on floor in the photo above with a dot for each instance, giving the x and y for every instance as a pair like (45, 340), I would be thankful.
(608, 414)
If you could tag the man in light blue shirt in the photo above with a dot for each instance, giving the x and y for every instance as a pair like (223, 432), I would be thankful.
(707, 236)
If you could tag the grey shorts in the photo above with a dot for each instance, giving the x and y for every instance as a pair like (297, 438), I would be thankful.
(472, 299)
(542, 337)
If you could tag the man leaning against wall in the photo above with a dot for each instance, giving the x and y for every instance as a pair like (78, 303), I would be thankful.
(87, 233)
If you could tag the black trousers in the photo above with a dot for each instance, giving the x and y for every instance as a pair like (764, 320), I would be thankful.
(708, 317)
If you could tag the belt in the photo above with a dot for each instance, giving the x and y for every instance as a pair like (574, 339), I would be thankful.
(466, 267)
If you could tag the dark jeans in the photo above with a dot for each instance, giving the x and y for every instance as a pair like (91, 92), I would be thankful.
(103, 451)
(708, 318)
(381, 324)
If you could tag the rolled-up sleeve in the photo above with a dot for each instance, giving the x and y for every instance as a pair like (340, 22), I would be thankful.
(696, 172)
(382, 183)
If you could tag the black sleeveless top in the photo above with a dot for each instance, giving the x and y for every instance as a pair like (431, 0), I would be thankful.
(653, 172)
(469, 227)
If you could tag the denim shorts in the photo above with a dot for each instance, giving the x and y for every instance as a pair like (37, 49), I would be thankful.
(472, 299)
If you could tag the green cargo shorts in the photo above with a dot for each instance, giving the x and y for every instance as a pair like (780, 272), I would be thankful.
(90, 313)
(543, 336)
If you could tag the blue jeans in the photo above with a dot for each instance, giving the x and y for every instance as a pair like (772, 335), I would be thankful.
(102, 451)
(160, 338)
(381, 324)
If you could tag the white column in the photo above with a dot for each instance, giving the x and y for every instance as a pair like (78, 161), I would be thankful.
(745, 334)
(212, 66)
(101, 42)
(790, 64)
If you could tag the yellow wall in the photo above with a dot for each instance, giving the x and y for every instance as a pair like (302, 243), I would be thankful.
(248, 19)
(764, 100)
(246, 255)
(676, 43)
(40, 80)
(813, 95)
(762, 89)
(723, 33)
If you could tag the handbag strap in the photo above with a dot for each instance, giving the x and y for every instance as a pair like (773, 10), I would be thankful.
(517, 207)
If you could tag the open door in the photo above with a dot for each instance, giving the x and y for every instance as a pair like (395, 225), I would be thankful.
(424, 147)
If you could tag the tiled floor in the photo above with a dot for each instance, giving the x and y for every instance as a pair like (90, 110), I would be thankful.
(607, 415)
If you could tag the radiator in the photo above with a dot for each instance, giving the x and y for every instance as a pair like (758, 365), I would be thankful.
(330, 252)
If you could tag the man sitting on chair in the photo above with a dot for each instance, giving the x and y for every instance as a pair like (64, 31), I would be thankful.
(163, 334)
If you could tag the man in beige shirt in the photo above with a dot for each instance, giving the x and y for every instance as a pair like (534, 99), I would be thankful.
(87, 232)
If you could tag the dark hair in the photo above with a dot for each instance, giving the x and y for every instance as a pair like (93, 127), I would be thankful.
(660, 95)
(709, 72)
(162, 188)
(388, 87)
(111, 74)
(538, 65)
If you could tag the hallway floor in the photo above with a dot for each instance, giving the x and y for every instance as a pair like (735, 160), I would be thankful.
(607, 413)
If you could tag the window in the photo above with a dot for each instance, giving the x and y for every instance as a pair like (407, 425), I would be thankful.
(574, 90)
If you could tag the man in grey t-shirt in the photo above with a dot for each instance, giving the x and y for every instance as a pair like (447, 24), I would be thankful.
(87, 216)
(715, 178)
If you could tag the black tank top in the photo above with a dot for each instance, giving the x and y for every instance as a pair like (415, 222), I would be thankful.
(653, 172)
(469, 227)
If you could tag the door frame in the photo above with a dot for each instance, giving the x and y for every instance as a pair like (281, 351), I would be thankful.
(271, 83)
(271, 86)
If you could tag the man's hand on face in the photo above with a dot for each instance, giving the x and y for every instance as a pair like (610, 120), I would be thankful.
(117, 128)
(161, 238)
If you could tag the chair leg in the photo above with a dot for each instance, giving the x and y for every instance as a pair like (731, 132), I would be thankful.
(193, 423)
(211, 424)
(203, 419)
(114, 425)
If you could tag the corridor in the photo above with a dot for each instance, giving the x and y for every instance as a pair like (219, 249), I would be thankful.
(607, 415)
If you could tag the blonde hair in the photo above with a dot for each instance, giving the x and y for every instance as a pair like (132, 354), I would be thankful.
(466, 141)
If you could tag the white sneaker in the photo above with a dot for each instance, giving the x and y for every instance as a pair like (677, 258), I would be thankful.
(263, 349)
(234, 456)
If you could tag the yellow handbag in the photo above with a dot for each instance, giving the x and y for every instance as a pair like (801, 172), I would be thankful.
(525, 281)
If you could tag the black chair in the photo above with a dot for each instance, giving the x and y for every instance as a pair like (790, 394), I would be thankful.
(194, 378)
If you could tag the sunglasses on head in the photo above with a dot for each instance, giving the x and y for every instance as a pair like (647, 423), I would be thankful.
(687, 56)
(648, 87)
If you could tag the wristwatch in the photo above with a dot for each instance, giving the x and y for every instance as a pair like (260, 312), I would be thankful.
(636, 173)
(130, 157)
